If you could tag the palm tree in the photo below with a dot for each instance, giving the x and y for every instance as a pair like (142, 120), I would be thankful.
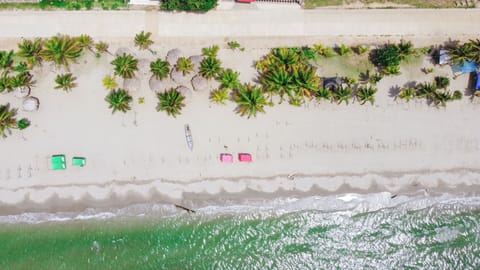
(210, 67)
(102, 47)
(61, 50)
(65, 81)
(426, 90)
(142, 41)
(278, 81)
(119, 100)
(5, 82)
(250, 100)
(125, 66)
(285, 57)
(30, 49)
(184, 65)
(306, 80)
(342, 94)
(442, 82)
(160, 69)
(6, 59)
(229, 79)
(323, 93)
(7, 119)
(109, 82)
(170, 101)
(21, 80)
(460, 54)
(85, 42)
(442, 97)
(407, 94)
(366, 93)
(219, 96)
(476, 48)
(210, 51)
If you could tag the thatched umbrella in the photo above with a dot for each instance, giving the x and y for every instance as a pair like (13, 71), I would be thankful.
(173, 55)
(144, 66)
(185, 91)
(21, 92)
(157, 85)
(196, 60)
(123, 50)
(131, 84)
(199, 83)
(30, 104)
(178, 77)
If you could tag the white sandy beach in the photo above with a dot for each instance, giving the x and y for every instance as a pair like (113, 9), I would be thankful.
(391, 146)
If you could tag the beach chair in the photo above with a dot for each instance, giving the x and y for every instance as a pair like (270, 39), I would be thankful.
(79, 161)
(244, 157)
(58, 162)
(226, 158)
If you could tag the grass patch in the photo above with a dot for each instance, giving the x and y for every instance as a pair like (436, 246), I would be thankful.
(19, 6)
(68, 5)
(343, 66)
(413, 3)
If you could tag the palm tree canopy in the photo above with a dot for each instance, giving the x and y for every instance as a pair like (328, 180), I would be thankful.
(119, 100)
(279, 81)
(85, 41)
(6, 59)
(210, 67)
(109, 82)
(7, 119)
(173, 55)
(229, 79)
(142, 40)
(61, 50)
(219, 96)
(211, 51)
(65, 81)
(160, 69)
(125, 66)
(30, 49)
(184, 65)
(101, 47)
(250, 100)
(199, 83)
(171, 102)
(366, 94)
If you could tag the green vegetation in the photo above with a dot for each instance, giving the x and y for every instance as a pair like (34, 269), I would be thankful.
(142, 40)
(466, 52)
(234, 45)
(30, 49)
(65, 82)
(109, 82)
(229, 79)
(388, 57)
(61, 50)
(342, 94)
(7, 119)
(210, 67)
(219, 96)
(184, 65)
(414, 3)
(250, 99)
(188, 5)
(23, 124)
(407, 94)
(171, 102)
(119, 100)
(442, 82)
(366, 94)
(125, 66)
(211, 51)
(160, 69)
(101, 47)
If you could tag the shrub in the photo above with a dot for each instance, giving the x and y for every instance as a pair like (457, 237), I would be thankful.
(442, 82)
(457, 95)
(23, 123)
(189, 5)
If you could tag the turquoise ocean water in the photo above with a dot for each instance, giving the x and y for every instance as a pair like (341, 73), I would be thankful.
(349, 231)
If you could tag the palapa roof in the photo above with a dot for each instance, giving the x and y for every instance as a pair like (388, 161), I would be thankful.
(173, 55)
(123, 50)
(144, 66)
(131, 84)
(199, 83)
(185, 91)
(196, 60)
(178, 77)
(30, 104)
(21, 92)
(157, 85)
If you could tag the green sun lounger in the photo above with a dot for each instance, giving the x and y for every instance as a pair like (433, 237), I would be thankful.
(79, 161)
(59, 162)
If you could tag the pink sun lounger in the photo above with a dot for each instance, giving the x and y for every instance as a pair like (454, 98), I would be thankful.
(244, 157)
(226, 158)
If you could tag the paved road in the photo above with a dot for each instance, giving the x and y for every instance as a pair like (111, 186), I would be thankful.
(245, 23)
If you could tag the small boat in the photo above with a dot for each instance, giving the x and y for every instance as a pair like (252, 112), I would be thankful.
(188, 136)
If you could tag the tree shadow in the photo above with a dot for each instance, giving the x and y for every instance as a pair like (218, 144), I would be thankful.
(394, 91)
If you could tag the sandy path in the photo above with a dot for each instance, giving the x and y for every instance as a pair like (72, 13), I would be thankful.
(456, 23)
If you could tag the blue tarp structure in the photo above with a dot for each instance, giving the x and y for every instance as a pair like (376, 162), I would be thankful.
(467, 67)
(477, 87)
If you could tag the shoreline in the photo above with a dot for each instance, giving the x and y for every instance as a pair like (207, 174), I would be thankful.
(204, 192)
